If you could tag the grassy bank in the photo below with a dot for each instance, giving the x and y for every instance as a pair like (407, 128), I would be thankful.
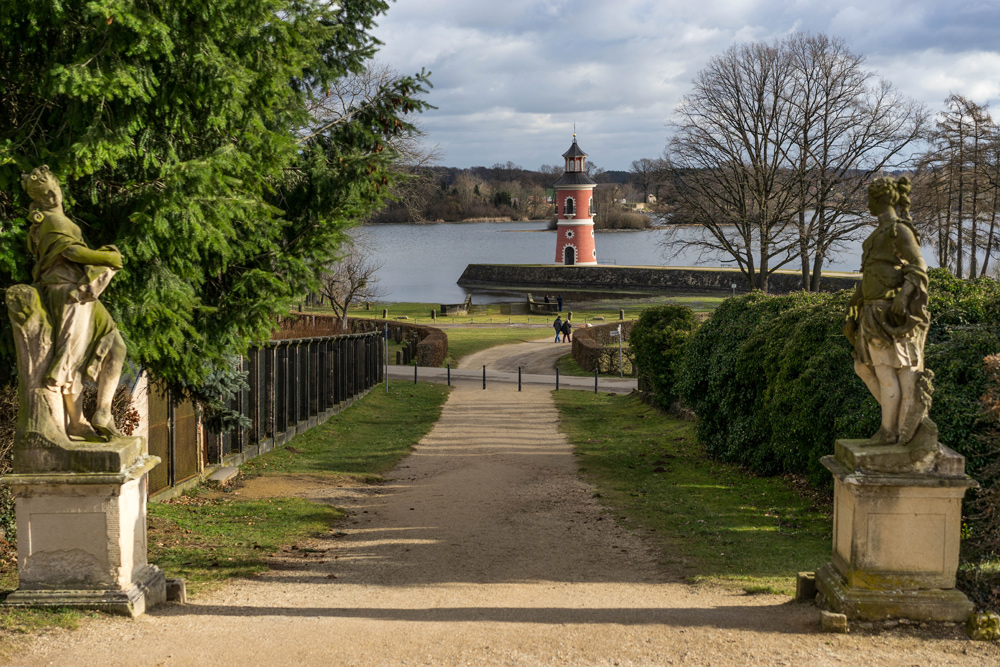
(716, 523)
(209, 536)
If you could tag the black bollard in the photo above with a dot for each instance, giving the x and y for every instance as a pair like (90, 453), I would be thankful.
(519, 378)
(557, 379)
(414, 372)
(484, 376)
(596, 370)
(449, 375)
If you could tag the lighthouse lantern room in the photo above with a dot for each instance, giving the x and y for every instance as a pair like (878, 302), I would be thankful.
(575, 211)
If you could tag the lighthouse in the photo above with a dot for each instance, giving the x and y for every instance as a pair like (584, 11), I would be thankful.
(575, 211)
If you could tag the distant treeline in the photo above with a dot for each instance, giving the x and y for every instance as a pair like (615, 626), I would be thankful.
(508, 191)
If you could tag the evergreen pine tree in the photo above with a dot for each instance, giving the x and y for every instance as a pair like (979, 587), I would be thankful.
(182, 132)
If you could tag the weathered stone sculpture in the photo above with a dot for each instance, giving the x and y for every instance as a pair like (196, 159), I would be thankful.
(887, 317)
(79, 485)
(897, 495)
(70, 277)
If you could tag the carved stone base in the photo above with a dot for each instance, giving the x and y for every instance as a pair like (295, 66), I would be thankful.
(896, 530)
(872, 605)
(82, 540)
(33, 453)
(149, 590)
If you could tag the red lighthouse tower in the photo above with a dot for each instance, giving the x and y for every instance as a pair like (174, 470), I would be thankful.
(575, 211)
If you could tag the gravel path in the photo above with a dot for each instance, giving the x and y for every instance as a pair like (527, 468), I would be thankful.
(537, 357)
(484, 549)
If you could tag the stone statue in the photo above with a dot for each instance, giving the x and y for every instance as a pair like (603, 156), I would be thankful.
(79, 485)
(62, 332)
(887, 317)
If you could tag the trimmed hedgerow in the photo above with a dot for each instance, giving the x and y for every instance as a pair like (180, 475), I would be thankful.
(771, 378)
(658, 340)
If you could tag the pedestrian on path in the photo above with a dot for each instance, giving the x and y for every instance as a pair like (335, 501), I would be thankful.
(558, 325)
(567, 330)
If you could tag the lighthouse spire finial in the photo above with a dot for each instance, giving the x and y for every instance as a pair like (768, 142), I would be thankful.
(574, 130)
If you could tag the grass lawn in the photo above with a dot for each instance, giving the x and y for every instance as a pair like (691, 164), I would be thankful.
(207, 536)
(716, 523)
(420, 313)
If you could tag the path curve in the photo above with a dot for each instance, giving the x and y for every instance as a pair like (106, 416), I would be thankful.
(484, 548)
(537, 357)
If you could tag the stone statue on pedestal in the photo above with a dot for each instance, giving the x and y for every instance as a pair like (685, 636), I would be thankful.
(887, 317)
(79, 484)
(897, 495)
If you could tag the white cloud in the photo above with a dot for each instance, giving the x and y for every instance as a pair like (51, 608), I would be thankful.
(511, 76)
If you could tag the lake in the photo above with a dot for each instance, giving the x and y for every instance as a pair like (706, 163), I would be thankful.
(423, 262)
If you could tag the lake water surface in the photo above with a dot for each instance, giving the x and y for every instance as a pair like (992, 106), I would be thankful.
(423, 262)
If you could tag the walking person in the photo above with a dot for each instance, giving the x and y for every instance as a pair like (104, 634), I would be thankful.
(567, 330)
(557, 325)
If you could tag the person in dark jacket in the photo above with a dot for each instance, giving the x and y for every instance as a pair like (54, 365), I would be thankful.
(567, 330)
(558, 325)
(559, 302)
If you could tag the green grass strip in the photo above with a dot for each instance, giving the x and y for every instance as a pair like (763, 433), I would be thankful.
(207, 541)
(366, 439)
(716, 523)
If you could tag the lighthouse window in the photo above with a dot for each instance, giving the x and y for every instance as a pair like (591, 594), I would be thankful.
(594, 253)
(591, 206)
(568, 206)
(569, 233)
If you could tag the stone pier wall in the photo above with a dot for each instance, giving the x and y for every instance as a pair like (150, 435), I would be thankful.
(634, 278)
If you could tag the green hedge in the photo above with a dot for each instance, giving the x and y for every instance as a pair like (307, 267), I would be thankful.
(658, 340)
(771, 378)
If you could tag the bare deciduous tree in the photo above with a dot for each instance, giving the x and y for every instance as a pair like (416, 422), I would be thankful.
(849, 126)
(352, 279)
(414, 182)
(961, 172)
(774, 150)
(728, 162)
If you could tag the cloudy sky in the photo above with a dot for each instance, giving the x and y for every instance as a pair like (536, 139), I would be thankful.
(512, 76)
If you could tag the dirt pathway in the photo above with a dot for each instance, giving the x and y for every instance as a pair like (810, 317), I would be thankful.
(484, 549)
(537, 356)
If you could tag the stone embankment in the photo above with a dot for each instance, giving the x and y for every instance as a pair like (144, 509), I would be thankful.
(635, 278)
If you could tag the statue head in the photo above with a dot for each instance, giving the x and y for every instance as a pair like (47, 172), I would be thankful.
(883, 195)
(43, 187)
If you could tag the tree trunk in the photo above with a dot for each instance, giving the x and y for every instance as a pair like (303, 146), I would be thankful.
(989, 240)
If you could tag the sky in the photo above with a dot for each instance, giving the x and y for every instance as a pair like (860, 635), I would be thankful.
(511, 77)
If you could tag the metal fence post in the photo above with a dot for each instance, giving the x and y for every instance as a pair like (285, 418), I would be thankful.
(519, 378)
(557, 379)
(484, 376)
(449, 375)
(414, 372)
(596, 371)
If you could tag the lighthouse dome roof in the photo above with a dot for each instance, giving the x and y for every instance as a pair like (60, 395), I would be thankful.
(574, 150)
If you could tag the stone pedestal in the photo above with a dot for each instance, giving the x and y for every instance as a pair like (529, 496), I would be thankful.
(896, 530)
(82, 540)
